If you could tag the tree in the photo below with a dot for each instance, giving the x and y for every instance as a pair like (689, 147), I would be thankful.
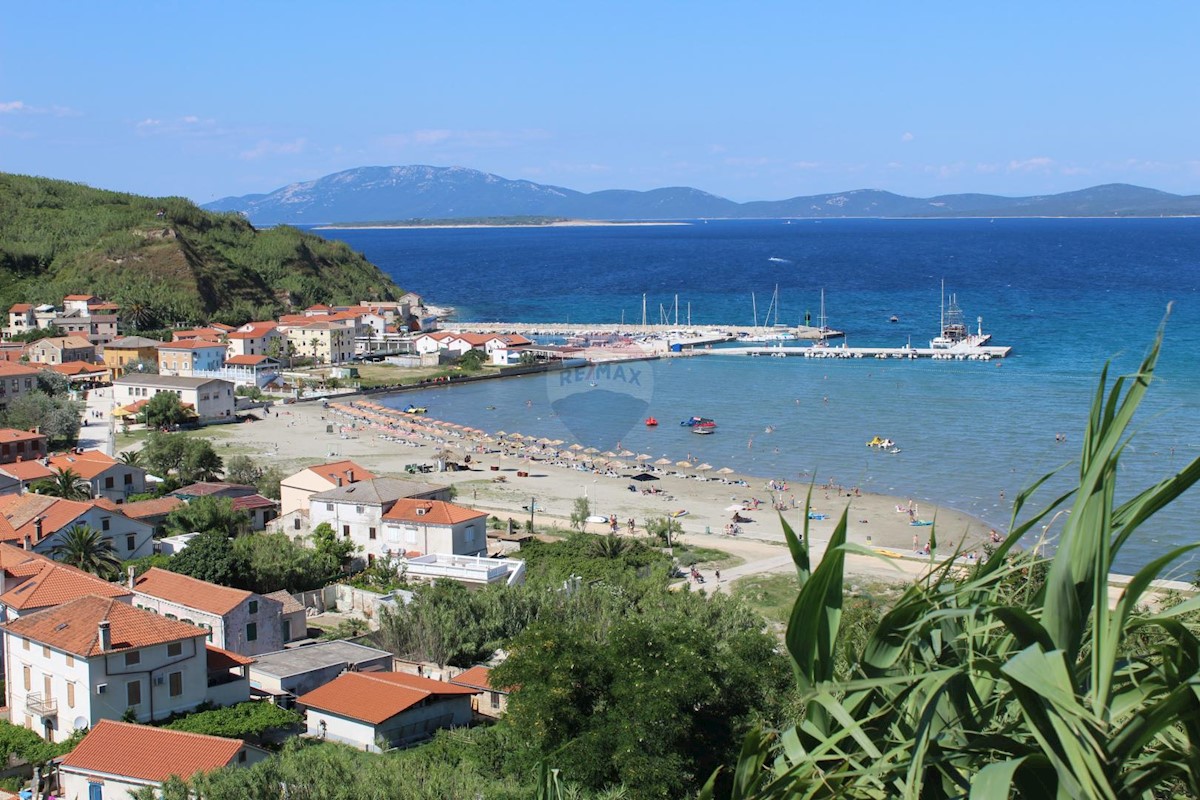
(208, 515)
(527, 359)
(200, 462)
(132, 458)
(581, 511)
(163, 453)
(210, 557)
(141, 366)
(88, 549)
(268, 482)
(57, 417)
(472, 360)
(325, 541)
(242, 469)
(272, 561)
(52, 383)
(66, 484)
(164, 410)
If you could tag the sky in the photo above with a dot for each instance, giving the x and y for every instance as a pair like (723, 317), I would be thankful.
(749, 101)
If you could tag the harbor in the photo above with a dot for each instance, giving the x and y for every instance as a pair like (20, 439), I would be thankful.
(962, 353)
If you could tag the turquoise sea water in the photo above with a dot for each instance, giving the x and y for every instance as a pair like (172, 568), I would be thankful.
(1065, 294)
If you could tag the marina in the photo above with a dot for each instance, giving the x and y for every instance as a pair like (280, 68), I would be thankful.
(963, 352)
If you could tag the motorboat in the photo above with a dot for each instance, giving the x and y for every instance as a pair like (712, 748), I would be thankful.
(881, 443)
(651, 422)
(955, 335)
(705, 431)
(698, 422)
(894, 318)
(415, 409)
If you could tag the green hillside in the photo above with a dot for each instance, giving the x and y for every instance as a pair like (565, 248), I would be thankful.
(185, 266)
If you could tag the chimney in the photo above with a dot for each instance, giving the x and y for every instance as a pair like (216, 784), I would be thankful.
(105, 636)
(129, 573)
(25, 543)
(350, 475)
(37, 528)
(339, 480)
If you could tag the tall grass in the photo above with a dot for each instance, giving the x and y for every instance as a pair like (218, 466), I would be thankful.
(992, 685)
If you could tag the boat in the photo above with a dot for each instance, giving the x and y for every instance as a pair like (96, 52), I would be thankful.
(954, 333)
(415, 409)
(705, 430)
(699, 422)
(881, 443)
(894, 318)
(651, 422)
(776, 331)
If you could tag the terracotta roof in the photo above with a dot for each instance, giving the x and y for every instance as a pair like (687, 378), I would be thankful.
(22, 511)
(20, 308)
(57, 583)
(80, 297)
(93, 307)
(197, 333)
(431, 512)
(157, 507)
(221, 326)
(252, 501)
(27, 471)
(17, 435)
(249, 361)
(219, 488)
(476, 678)
(290, 604)
(17, 371)
(68, 342)
(222, 659)
(191, 344)
(338, 469)
(188, 591)
(149, 754)
(74, 627)
(87, 464)
(259, 327)
(374, 697)
(77, 368)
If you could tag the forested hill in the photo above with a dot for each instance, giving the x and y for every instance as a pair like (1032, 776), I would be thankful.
(166, 258)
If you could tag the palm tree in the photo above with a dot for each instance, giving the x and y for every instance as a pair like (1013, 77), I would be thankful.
(610, 546)
(66, 484)
(88, 549)
(130, 458)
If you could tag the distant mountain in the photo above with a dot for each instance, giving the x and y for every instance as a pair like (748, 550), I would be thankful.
(377, 194)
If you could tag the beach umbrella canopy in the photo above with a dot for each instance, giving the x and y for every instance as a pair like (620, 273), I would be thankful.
(609, 454)
(501, 433)
(626, 454)
(684, 464)
(517, 436)
(544, 440)
(724, 471)
(646, 476)
(703, 467)
(556, 442)
(591, 451)
(614, 464)
(576, 446)
(662, 462)
(644, 457)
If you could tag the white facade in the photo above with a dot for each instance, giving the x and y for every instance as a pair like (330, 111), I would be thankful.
(467, 538)
(54, 693)
(210, 397)
(129, 537)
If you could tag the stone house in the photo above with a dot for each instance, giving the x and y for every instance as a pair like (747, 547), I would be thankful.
(60, 350)
(18, 445)
(108, 477)
(40, 521)
(295, 490)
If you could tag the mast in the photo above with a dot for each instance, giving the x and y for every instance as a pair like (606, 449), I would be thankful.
(676, 310)
(942, 320)
(822, 325)
(690, 314)
(643, 311)
(754, 306)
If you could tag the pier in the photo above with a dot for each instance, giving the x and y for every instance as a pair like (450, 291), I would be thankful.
(962, 352)
(712, 333)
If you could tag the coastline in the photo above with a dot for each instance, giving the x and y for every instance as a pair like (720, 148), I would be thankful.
(569, 223)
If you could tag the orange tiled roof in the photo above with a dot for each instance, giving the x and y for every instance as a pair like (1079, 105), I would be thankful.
(431, 512)
(476, 678)
(20, 308)
(67, 342)
(76, 368)
(188, 591)
(86, 465)
(150, 754)
(57, 583)
(80, 297)
(16, 435)
(74, 627)
(22, 511)
(27, 471)
(220, 658)
(337, 469)
(150, 508)
(246, 361)
(211, 334)
(374, 697)
(17, 371)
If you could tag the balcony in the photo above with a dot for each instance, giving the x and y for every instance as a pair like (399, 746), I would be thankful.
(40, 706)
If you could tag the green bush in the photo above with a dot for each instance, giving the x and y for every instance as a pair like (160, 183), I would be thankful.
(252, 718)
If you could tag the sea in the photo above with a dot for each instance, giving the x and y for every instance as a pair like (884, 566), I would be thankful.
(1068, 295)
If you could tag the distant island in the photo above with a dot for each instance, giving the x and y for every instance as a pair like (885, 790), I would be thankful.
(486, 222)
(441, 196)
(165, 259)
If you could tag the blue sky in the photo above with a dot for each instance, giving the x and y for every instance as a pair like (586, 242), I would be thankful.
(748, 101)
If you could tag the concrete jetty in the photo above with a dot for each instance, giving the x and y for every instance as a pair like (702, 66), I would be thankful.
(961, 352)
(712, 333)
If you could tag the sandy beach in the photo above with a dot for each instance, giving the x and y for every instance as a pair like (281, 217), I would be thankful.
(506, 473)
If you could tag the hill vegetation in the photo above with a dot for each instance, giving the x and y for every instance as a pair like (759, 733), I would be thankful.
(164, 260)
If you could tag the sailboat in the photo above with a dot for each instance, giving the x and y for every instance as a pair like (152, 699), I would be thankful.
(776, 332)
(953, 327)
(823, 330)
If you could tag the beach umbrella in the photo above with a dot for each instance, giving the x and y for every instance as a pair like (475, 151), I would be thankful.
(591, 451)
(501, 433)
(724, 471)
(556, 442)
(626, 454)
(646, 476)
(684, 464)
(663, 462)
(704, 468)
(544, 440)
(576, 447)
(644, 457)
(609, 454)
(517, 436)
(614, 464)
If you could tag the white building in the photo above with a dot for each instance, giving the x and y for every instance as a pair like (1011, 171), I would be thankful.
(116, 759)
(286, 674)
(355, 511)
(97, 658)
(243, 622)
(420, 527)
(370, 709)
(42, 520)
(108, 477)
(211, 398)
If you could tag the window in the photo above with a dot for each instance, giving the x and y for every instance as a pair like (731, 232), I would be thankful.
(28, 677)
(25, 643)
(174, 649)
(45, 651)
(251, 631)
(329, 506)
(133, 658)
(130, 542)
(346, 531)
(253, 606)
(70, 660)
(371, 533)
(129, 479)
(175, 684)
(109, 481)
(133, 693)
(358, 509)
(287, 630)
(70, 695)
(495, 699)
(104, 523)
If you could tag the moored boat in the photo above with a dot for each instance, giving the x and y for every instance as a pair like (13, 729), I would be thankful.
(651, 422)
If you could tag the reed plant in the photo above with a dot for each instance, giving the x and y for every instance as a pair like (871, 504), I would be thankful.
(1014, 677)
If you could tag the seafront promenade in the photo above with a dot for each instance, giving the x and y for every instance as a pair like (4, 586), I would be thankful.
(713, 333)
